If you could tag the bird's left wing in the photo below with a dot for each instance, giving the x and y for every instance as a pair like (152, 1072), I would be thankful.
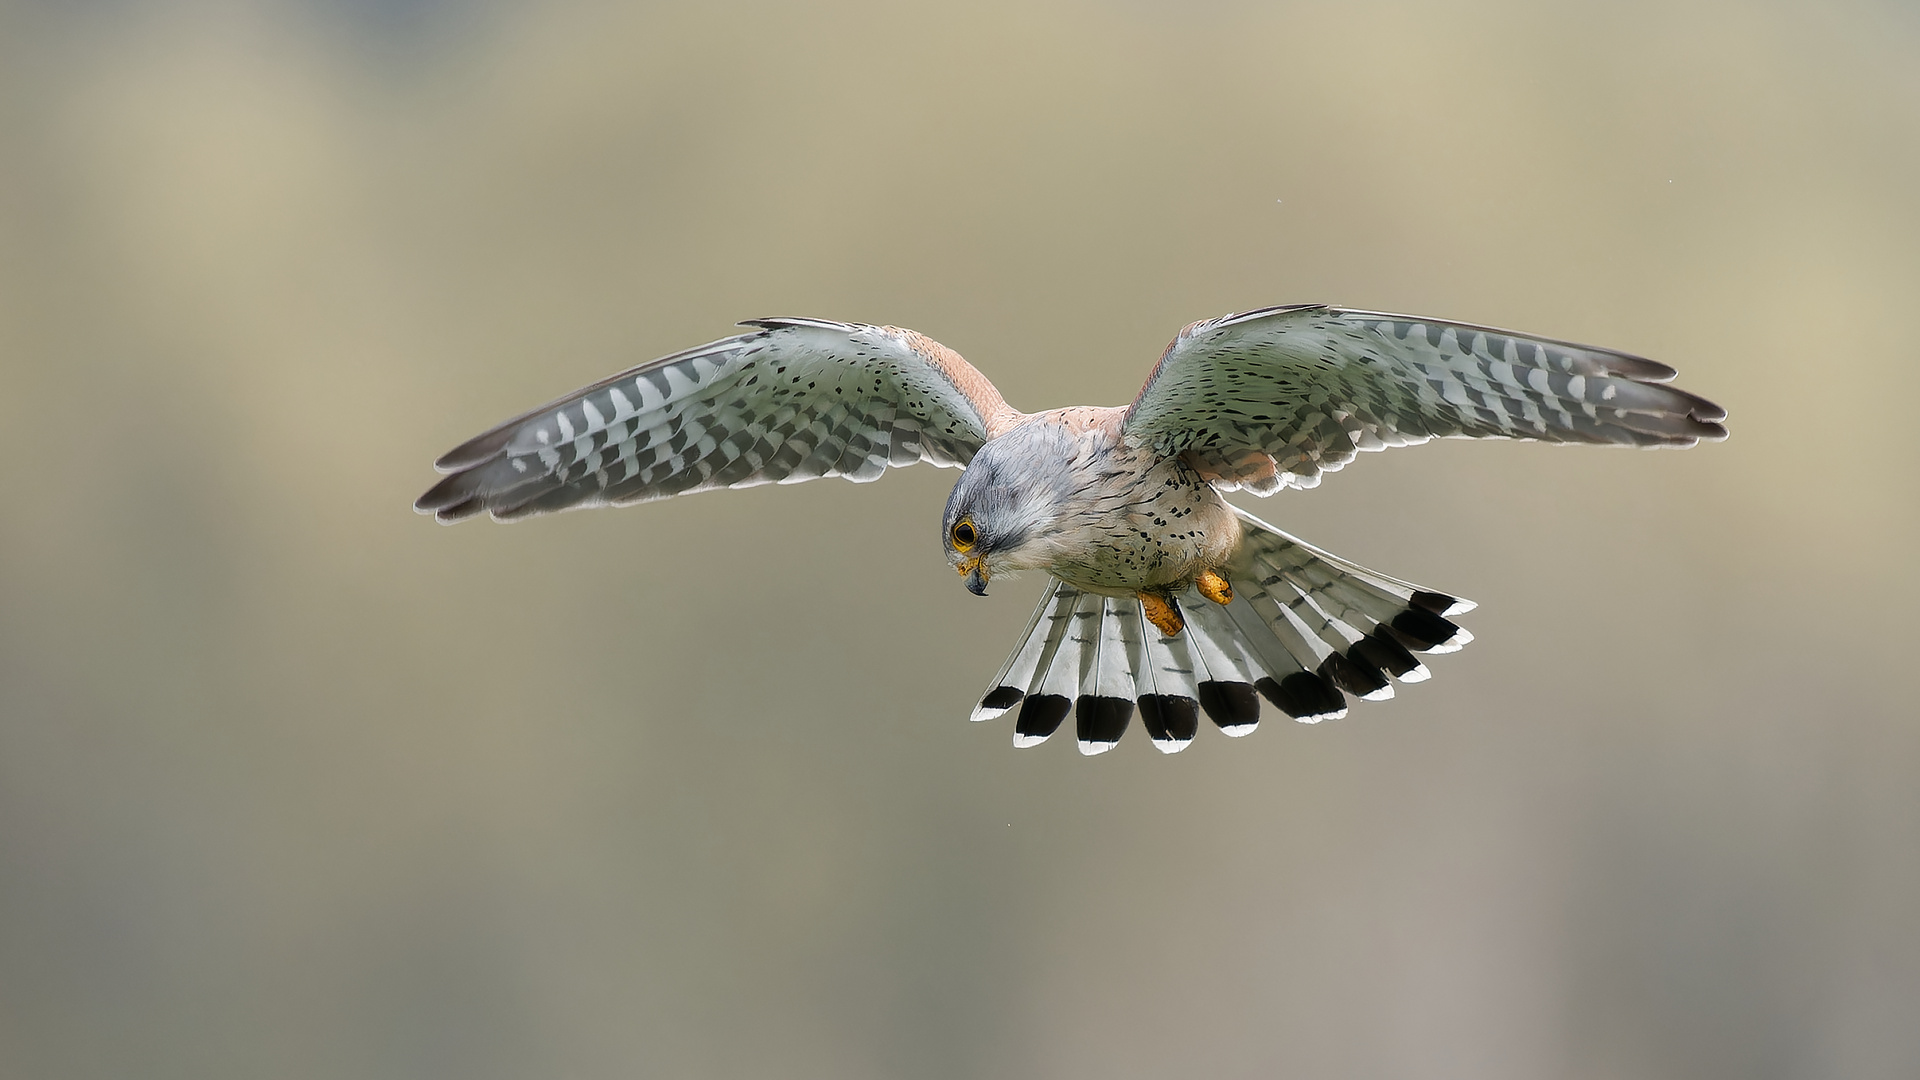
(793, 400)
(1273, 398)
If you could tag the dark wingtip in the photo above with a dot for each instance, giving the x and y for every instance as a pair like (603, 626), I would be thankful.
(458, 512)
(1706, 411)
(1637, 368)
(477, 450)
(1710, 420)
(447, 492)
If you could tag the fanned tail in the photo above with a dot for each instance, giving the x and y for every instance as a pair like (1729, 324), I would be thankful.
(1304, 630)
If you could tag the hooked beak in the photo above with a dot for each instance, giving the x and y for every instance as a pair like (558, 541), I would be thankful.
(975, 571)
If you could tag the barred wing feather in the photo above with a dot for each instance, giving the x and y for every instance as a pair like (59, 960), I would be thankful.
(793, 400)
(1274, 398)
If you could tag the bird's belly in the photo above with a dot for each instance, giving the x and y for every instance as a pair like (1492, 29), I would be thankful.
(1168, 528)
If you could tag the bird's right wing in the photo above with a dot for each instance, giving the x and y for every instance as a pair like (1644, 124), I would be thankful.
(793, 400)
(1273, 398)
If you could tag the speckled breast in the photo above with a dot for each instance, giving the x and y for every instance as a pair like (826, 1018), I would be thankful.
(1146, 522)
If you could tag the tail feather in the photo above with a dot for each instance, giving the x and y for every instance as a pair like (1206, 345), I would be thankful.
(1315, 645)
(1293, 679)
(1304, 630)
(1169, 689)
(1100, 718)
(1072, 664)
(1244, 658)
(1064, 669)
(1037, 643)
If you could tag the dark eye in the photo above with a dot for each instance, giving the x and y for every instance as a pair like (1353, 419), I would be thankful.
(963, 536)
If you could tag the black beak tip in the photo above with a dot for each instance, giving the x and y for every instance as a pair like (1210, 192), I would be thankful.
(976, 586)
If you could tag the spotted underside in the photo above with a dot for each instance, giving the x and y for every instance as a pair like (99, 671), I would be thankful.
(1274, 398)
(795, 400)
(1304, 630)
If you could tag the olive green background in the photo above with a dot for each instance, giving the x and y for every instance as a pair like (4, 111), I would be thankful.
(294, 783)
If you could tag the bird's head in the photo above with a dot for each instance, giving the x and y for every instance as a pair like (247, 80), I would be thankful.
(1004, 511)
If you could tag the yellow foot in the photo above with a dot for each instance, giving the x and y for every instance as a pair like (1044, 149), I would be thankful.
(1214, 587)
(1163, 613)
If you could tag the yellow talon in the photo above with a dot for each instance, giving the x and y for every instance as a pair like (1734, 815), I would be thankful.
(1163, 613)
(1214, 587)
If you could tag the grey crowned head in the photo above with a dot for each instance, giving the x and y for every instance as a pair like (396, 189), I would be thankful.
(1004, 511)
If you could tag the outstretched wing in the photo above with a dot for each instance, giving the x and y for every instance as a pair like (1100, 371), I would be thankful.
(794, 400)
(1273, 398)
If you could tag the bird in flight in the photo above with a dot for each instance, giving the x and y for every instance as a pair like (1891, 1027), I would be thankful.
(1164, 598)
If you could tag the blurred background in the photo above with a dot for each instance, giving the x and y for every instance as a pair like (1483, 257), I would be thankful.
(294, 783)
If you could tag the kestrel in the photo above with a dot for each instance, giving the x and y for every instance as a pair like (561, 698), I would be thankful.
(1163, 596)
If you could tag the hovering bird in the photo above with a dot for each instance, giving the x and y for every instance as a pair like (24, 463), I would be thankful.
(1164, 598)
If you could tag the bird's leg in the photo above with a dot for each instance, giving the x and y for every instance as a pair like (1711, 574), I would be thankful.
(1163, 611)
(1214, 587)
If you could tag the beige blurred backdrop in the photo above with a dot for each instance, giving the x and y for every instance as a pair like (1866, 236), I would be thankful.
(294, 783)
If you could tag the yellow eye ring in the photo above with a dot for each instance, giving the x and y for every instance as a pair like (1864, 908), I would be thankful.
(964, 537)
